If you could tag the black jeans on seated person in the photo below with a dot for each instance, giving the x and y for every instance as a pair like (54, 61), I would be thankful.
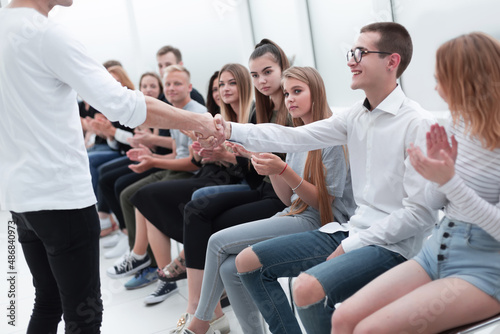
(61, 248)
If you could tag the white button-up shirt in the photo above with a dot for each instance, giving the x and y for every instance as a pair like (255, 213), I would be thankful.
(389, 193)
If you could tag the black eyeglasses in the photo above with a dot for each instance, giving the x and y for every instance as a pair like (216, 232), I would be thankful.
(358, 54)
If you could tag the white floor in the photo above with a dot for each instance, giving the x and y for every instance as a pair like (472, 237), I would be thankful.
(124, 311)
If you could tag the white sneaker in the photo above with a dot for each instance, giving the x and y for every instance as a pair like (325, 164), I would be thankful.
(111, 240)
(162, 292)
(105, 223)
(128, 266)
(121, 248)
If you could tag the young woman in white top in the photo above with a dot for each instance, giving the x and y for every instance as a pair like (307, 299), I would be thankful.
(454, 280)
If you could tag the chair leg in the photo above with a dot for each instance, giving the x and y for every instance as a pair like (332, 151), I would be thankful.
(292, 304)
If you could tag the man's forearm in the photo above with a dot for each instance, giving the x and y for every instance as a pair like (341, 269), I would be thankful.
(165, 116)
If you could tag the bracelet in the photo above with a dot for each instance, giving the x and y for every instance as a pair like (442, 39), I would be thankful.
(195, 162)
(300, 183)
(286, 165)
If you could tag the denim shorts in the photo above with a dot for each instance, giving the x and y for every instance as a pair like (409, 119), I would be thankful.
(465, 251)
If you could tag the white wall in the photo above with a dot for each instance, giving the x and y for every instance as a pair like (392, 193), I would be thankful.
(316, 33)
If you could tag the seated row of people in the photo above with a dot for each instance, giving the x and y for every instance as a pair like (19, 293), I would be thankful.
(333, 246)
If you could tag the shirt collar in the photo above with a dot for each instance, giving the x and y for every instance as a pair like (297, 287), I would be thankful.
(391, 104)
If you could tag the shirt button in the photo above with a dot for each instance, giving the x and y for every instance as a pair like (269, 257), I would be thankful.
(440, 257)
(451, 224)
(443, 247)
(446, 235)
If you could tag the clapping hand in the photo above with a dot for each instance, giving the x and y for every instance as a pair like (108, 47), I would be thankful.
(135, 154)
(239, 150)
(439, 164)
(141, 137)
(145, 163)
(437, 140)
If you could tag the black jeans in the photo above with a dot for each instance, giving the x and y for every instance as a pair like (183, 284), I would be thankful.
(61, 248)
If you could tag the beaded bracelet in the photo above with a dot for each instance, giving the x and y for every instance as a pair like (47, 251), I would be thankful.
(286, 165)
(302, 180)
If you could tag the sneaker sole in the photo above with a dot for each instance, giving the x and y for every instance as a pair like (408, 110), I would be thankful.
(140, 286)
(157, 300)
(131, 272)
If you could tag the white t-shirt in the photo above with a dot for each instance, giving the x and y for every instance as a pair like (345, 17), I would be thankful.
(43, 161)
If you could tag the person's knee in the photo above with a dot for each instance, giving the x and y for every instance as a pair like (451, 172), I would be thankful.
(344, 320)
(247, 261)
(307, 290)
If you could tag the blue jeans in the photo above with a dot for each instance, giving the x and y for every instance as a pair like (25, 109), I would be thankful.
(61, 248)
(211, 190)
(340, 278)
(220, 268)
(282, 257)
(96, 159)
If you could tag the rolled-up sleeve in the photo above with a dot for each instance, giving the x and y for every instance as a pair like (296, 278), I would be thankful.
(69, 63)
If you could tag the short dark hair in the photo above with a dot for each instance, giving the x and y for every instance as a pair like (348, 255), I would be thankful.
(169, 48)
(112, 62)
(394, 38)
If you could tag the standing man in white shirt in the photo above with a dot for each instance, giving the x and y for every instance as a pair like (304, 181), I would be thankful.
(44, 172)
(392, 218)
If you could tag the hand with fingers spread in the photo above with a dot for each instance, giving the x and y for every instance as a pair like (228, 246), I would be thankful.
(439, 170)
(267, 164)
(136, 153)
(437, 140)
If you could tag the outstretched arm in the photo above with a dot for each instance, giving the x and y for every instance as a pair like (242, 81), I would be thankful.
(164, 116)
(276, 138)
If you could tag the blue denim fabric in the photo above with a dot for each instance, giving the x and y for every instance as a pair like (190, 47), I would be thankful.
(96, 159)
(341, 277)
(285, 256)
(463, 250)
(211, 190)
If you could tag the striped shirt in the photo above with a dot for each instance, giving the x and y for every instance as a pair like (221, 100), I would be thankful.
(473, 194)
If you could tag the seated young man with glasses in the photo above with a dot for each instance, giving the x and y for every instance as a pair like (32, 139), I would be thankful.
(391, 220)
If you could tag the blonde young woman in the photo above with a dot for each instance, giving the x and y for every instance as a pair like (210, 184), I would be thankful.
(161, 204)
(312, 185)
(454, 280)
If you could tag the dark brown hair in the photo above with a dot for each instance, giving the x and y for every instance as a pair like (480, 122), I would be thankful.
(394, 38)
(264, 106)
(169, 48)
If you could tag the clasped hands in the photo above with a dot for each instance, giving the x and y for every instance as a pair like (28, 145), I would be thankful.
(214, 131)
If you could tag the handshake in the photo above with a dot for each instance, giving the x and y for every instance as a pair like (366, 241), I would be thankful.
(212, 131)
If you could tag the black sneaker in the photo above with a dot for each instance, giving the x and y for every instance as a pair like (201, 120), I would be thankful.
(128, 266)
(163, 291)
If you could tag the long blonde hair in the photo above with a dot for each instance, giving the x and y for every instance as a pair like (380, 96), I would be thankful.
(468, 71)
(314, 169)
(245, 96)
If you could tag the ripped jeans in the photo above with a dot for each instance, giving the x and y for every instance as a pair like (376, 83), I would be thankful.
(288, 256)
